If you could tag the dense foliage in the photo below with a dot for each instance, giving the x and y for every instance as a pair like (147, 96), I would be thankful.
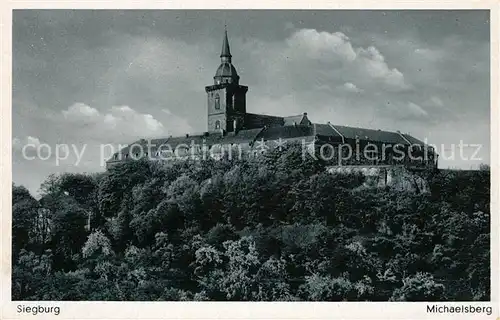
(280, 228)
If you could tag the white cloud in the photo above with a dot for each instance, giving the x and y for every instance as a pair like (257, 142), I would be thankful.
(120, 123)
(123, 116)
(30, 145)
(178, 125)
(124, 109)
(33, 140)
(407, 111)
(416, 110)
(351, 87)
(80, 111)
(374, 63)
(321, 44)
(19, 143)
(110, 120)
(309, 55)
(152, 124)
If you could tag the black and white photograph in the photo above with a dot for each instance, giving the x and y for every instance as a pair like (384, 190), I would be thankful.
(251, 155)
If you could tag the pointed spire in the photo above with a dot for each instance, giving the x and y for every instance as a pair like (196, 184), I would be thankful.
(225, 53)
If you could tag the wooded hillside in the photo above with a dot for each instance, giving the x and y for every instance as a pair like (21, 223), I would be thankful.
(280, 228)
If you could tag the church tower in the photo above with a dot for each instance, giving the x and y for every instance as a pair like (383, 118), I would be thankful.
(226, 97)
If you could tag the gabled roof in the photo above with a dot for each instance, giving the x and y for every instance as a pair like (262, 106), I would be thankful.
(143, 144)
(326, 130)
(198, 139)
(413, 140)
(370, 135)
(286, 132)
(253, 120)
(242, 136)
(272, 128)
(212, 138)
(298, 119)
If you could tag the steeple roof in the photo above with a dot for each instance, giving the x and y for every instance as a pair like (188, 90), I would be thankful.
(226, 73)
(225, 52)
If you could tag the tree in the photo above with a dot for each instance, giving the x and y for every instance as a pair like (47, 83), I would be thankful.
(117, 184)
(24, 219)
(97, 244)
(276, 228)
(326, 288)
(69, 232)
(419, 287)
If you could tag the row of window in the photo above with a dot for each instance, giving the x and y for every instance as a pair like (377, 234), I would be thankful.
(224, 80)
(217, 101)
(217, 124)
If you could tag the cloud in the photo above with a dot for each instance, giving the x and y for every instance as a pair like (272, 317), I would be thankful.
(336, 49)
(416, 110)
(142, 81)
(30, 147)
(322, 45)
(122, 117)
(79, 111)
(407, 111)
(18, 143)
(120, 123)
(374, 63)
(351, 87)
(181, 124)
(33, 140)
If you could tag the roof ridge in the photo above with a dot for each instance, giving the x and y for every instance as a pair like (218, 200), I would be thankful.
(257, 135)
(404, 138)
(340, 134)
(265, 115)
(371, 129)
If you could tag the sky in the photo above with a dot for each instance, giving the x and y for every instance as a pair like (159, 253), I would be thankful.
(91, 78)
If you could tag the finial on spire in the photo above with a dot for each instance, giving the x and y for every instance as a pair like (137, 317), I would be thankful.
(225, 53)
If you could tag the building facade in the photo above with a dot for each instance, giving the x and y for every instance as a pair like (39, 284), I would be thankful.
(233, 131)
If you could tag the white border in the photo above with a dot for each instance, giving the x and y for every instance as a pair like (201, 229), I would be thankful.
(236, 310)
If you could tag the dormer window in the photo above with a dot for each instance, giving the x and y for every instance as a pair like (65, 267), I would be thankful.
(217, 101)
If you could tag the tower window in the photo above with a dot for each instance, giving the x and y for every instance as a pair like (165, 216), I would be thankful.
(217, 101)
(217, 124)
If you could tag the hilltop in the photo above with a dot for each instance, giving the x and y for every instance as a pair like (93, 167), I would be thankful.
(279, 228)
